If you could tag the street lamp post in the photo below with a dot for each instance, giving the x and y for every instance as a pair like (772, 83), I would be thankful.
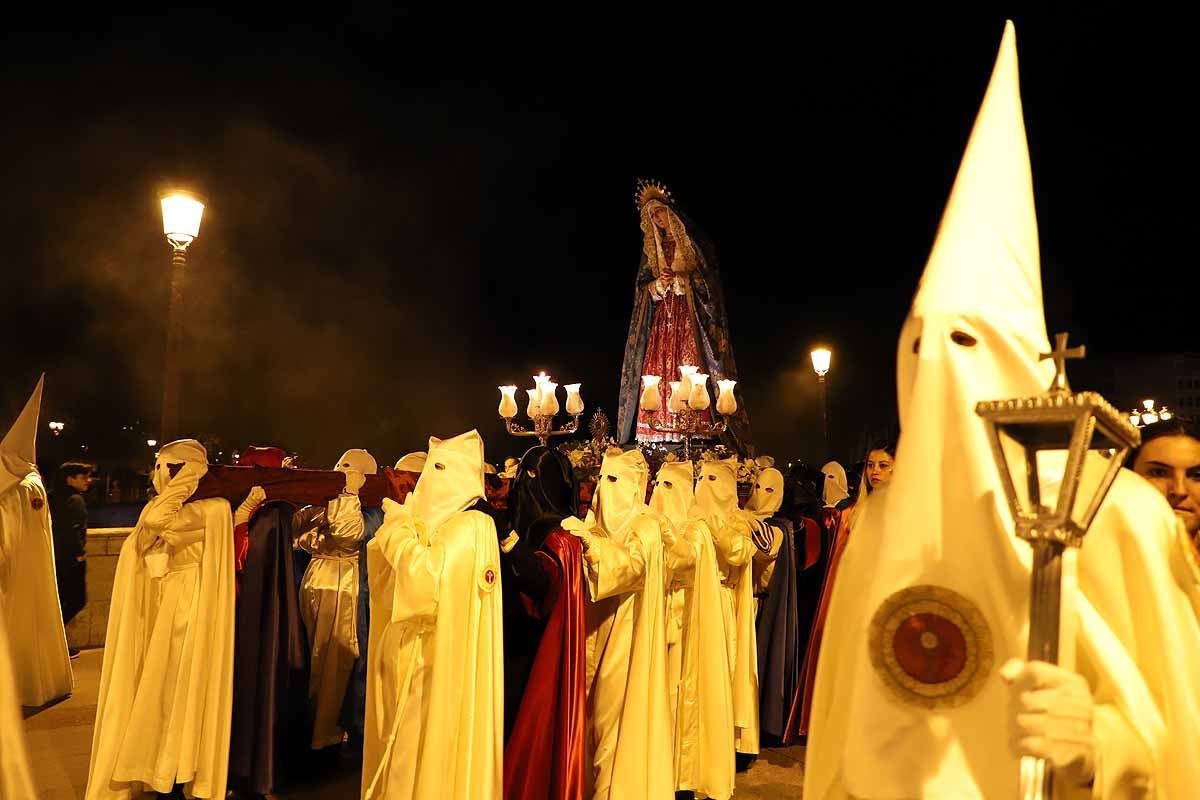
(181, 224)
(821, 357)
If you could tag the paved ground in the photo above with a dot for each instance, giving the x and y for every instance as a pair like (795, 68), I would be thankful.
(60, 739)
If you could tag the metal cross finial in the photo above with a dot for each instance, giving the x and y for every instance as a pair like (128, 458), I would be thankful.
(1059, 356)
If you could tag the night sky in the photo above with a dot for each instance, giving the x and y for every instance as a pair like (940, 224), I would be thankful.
(404, 212)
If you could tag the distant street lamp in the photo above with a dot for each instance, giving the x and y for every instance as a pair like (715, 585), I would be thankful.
(56, 428)
(181, 223)
(821, 357)
(151, 442)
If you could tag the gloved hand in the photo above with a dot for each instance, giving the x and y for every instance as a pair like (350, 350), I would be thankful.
(1050, 717)
(354, 481)
(246, 509)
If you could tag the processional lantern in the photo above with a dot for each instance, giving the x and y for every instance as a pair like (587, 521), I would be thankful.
(1057, 454)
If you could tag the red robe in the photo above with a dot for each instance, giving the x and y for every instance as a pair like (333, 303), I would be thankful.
(544, 757)
(801, 711)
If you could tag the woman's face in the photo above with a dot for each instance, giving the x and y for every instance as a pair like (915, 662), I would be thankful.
(659, 217)
(1172, 464)
(879, 467)
(81, 482)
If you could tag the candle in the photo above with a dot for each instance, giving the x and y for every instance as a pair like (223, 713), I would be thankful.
(686, 371)
(508, 402)
(574, 401)
(533, 409)
(539, 384)
(698, 396)
(726, 403)
(549, 398)
(678, 400)
(650, 400)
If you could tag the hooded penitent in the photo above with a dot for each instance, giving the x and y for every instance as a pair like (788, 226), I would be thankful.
(434, 721)
(717, 506)
(163, 713)
(329, 598)
(777, 624)
(28, 585)
(545, 488)
(697, 660)
(932, 593)
(626, 669)
(763, 504)
(543, 493)
(544, 634)
(270, 729)
(835, 490)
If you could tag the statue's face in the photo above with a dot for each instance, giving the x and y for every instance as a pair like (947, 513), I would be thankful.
(659, 217)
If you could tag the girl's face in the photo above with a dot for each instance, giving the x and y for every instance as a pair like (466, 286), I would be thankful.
(879, 467)
(1172, 464)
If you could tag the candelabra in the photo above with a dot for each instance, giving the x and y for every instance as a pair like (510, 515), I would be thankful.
(1146, 415)
(541, 410)
(686, 403)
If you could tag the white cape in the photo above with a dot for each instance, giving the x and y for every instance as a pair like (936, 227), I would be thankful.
(632, 737)
(15, 783)
(166, 689)
(435, 673)
(704, 743)
(29, 595)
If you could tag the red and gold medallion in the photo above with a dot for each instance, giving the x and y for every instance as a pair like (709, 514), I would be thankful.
(488, 577)
(931, 646)
(37, 503)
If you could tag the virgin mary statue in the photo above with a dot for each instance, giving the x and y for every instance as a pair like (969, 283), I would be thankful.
(678, 319)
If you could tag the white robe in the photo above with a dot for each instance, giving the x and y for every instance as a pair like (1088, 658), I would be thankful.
(703, 700)
(29, 595)
(631, 731)
(166, 689)
(435, 693)
(735, 559)
(1137, 642)
(15, 783)
(329, 608)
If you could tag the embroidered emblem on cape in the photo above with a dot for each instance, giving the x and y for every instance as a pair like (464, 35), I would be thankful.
(488, 578)
(931, 647)
(37, 503)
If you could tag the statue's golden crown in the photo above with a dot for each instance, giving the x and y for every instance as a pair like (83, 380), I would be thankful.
(648, 190)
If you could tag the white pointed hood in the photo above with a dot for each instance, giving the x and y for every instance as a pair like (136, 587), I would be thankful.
(18, 450)
(621, 491)
(673, 492)
(974, 333)
(359, 460)
(716, 490)
(192, 457)
(451, 480)
(767, 497)
(836, 487)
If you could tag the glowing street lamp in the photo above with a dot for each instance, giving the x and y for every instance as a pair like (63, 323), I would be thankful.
(821, 357)
(181, 214)
(152, 443)
(56, 428)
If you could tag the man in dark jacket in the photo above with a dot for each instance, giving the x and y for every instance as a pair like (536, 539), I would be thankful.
(68, 516)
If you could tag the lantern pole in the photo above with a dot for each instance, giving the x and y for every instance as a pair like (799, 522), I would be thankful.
(1035, 424)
